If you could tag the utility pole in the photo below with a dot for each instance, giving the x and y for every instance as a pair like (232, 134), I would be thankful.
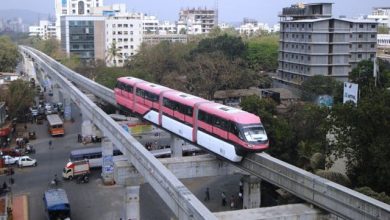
(376, 70)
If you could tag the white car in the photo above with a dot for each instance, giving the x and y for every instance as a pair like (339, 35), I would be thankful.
(26, 161)
(10, 160)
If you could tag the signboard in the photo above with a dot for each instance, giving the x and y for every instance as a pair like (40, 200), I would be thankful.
(136, 128)
(350, 92)
(325, 100)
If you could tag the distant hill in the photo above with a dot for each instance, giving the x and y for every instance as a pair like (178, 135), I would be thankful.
(29, 17)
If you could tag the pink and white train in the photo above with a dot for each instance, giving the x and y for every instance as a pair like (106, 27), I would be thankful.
(223, 130)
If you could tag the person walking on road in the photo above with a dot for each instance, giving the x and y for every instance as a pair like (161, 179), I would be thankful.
(207, 198)
(232, 202)
(50, 144)
(223, 199)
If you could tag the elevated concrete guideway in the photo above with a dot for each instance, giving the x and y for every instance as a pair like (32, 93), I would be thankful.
(330, 196)
(178, 198)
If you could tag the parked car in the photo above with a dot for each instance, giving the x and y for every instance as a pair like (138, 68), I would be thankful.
(26, 161)
(10, 160)
(34, 111)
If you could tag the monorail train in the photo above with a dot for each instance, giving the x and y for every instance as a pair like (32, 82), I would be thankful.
(225, 131)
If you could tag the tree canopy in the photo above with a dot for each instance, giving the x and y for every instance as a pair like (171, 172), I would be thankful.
(18, 97)
(9, 55)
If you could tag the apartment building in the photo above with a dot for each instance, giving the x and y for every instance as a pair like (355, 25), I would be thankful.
(84, 36)
(153, 39)
(314, 43)
(196, 21)
(73, 7)
(45, 30)
(380, 15)
(126, 30)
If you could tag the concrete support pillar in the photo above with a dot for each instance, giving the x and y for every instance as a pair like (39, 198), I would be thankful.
(176, 146)
(252, 192)
(86, 127)
(56, 93)
(107, 162)
(132, 203)
(67, 102)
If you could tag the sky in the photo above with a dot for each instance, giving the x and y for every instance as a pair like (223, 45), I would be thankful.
(229, 10)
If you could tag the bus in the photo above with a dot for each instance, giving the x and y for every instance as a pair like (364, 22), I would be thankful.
(94, 154)
(55, 125)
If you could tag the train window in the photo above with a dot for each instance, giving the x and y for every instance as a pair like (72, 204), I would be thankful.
(151, 96)
(233, 129)
(139, 92)
(187, 110)
(220, 123)
(167, 103)
(128, 88)
(205, 117)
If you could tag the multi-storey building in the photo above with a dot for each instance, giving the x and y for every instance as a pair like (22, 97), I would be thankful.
(314, 43)
(84, 36)
(126, 30)
(150, 24)
(380, 15)
(73, 7)
(167, 27)
(196, 21)
(45, 30)
(153, 39)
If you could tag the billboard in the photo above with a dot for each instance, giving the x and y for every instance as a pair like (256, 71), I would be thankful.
(350, 92)
(325, 100)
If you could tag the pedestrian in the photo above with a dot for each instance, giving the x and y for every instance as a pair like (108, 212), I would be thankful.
(5, 186)
(223, 199)
(50, 144)
(232, 202)
(241, 187)
(79, 138)
(207, 194)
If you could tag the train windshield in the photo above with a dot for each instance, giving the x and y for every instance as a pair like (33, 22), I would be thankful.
(254, 133)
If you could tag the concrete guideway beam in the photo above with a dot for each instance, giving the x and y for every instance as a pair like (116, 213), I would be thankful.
(181, 167)
(294, 211)
(328, 195)
(178, 198)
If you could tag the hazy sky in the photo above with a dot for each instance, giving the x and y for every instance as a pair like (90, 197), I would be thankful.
(229, 10)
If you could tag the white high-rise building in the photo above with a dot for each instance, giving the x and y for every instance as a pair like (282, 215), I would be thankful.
(73, 7)
(45, 30)
(150, 24)
(380, 15)
(196, 21)
(126, 30)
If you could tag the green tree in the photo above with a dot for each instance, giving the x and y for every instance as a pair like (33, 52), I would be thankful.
(19, 98)
(362, 137)
(321, 85)
(209, 72)
(230, 46)
(363, 75)
(262, 53)
(371, 193)
(113, 52)
(9, 55)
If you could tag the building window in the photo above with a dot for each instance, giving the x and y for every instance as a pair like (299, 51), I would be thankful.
(113, 25)
(350, 25)
(131, 25)
(373, 26)
(131, 47)
(126, 47)
(372, 45)
(309, 25)
(125, 25)
(359, 46)
(372, 35)
(372, 55)
(350, 46)
(359, 55)
(360, 35)
(286, 45)
(309, 36)
(113, 33)
(360, 25)
(119, 25)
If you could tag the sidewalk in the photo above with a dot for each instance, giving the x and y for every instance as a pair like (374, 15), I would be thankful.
(20, 207)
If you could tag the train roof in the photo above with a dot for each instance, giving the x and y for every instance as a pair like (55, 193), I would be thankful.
(184, 98)
(130, 80)
(155, 88)
(230, 113)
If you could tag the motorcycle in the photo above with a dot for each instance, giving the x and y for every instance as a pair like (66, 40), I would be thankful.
(30, 150)
(83, 179)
